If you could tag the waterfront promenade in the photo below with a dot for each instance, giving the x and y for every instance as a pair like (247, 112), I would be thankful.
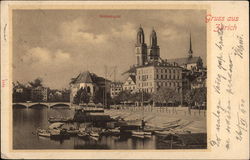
(159, 117)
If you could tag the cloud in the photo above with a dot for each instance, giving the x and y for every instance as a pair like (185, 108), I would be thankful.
(75, 40)
(77, 32)
(126, 31)
(40, 55)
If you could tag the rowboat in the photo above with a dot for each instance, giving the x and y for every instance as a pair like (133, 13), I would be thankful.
(94, 134)
(141, 133)
(114, 131)
(73, 131)
(94, 138)
(83, 135)
(44, 134)
(162, 132)
(59, 134)
(148, 133)
(138, 136)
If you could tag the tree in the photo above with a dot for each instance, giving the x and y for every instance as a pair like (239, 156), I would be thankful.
(98, 96)
(189, 99)
(165, 95)
(200, 95)
(122, 97)
(136, 97)
(36, 83)
(81, 96)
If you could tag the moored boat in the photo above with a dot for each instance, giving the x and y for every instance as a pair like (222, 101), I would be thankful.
(94, 134)
(54, 120)
(94, 138)
(141, 133)
(59, 134)
(44, 134)
(138, 136)
(73, 131)
(162, 132)
(83, 135)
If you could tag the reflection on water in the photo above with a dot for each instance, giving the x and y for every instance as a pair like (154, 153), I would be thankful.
(26, 121)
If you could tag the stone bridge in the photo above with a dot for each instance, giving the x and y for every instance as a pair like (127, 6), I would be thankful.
(44, 104)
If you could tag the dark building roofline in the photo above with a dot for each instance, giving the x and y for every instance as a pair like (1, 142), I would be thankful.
(87, 77)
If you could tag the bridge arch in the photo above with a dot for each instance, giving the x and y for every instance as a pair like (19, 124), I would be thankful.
(39, 105)
(18, 105)
(59, 105)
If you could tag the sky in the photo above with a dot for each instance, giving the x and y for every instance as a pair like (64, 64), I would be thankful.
(56, 45)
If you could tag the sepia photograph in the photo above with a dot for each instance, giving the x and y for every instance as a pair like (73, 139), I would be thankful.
(109, 79)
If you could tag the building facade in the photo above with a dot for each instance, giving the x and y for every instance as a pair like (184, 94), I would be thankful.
(151, 72)
(39, 94)
(150, 78)
(115, 89)
(130, 84)
(89, 81)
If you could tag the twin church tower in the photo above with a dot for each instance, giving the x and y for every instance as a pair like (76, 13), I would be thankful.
(143, 53)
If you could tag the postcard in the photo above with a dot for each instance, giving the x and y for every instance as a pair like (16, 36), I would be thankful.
(124, 80)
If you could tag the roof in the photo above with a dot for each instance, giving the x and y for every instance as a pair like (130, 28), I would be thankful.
(186, 60)
(133, 78)
(84, 77)
(87, 77)
(131, 70)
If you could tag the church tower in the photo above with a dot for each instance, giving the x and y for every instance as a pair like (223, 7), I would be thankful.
(153, 49)
(140, 48)
(190, 52)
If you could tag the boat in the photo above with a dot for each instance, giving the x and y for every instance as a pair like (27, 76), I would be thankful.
(138, 136)
(40, 130)
(162, 132)
(141, 133)
(83, 135)
(147, 133)
(115, 131)
(56, 125)
(53, 120)
(44, 134)
(94, 134)
(59, 134)
(94, 138)
(73, 131)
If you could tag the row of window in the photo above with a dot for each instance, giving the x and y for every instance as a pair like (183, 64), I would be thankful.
(158, 76)
(129, 88)
(169, 71)
(145, 84)
(116, 89)
(150, 90)
(166, 84)
(169, 84)
(167, 76)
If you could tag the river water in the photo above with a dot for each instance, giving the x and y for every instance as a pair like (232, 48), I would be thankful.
(26, 121)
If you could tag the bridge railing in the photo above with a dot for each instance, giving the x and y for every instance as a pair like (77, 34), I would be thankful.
(48, 104)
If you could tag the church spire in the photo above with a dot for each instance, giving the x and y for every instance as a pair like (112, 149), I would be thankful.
(140, 35)
(153, 38)
(190, 52)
